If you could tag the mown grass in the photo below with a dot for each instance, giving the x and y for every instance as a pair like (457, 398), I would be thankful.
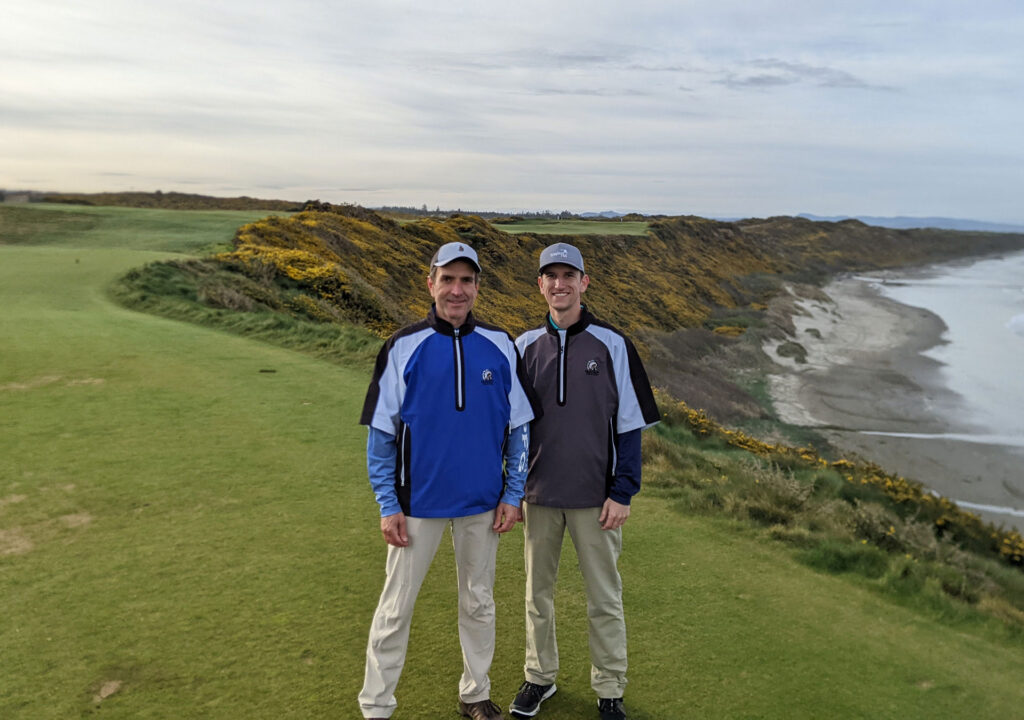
(186, 534)
(177, 231)
(172, 517)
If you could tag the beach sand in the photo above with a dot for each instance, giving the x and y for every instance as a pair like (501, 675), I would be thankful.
(864, 373)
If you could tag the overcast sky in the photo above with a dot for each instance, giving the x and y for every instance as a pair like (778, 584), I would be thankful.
(723, 109)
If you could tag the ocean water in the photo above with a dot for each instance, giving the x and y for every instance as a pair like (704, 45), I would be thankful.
(982, 356)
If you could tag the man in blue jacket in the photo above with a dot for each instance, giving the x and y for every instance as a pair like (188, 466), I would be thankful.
(584, 469)
(448, 412)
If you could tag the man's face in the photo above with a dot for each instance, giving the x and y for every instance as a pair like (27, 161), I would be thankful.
(454, 289)
(562, 286)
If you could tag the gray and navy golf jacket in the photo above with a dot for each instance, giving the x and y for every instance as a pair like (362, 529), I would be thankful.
(596, 399)
(440, 407)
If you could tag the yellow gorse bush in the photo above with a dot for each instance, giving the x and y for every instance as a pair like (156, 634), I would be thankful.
(674, 277)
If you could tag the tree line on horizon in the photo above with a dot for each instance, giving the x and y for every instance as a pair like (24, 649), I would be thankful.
(193, 201)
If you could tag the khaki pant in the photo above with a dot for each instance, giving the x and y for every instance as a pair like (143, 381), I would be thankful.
(598, 552)
(476, 546)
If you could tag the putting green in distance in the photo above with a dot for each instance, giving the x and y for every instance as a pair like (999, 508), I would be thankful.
(574, 227)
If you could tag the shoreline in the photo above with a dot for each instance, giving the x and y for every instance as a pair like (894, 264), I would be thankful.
(867, 387)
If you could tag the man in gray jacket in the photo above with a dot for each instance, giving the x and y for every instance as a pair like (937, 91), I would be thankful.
(584, 469)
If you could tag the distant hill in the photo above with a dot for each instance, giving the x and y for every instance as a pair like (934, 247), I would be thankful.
(908, 223)
(169, 201)
(604, 214)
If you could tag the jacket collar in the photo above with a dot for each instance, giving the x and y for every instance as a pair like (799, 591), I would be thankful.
(445, 328)
(577, 327)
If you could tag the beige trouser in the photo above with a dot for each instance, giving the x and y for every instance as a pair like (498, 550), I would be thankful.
(476, 546)
(598, 552)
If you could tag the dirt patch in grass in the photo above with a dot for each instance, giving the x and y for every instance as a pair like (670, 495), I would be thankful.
(76, 520)
(14, 542)
(21, 540)
(44, 380)
(106, 690)
(30, 384)
(11, 500)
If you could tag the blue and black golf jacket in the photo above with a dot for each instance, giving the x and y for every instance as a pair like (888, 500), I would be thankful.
(448, 411)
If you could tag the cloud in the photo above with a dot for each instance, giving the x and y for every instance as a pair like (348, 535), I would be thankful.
(592, 92)
(757, 81)
(781, 73)
(642, 67)
(179, 117)
(823, 76)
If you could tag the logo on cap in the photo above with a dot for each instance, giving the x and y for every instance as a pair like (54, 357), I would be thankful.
(561, 253)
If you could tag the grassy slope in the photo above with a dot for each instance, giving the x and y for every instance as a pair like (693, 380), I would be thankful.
(202, 532)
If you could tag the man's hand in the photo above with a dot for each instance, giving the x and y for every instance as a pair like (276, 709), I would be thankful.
(506, 517)
(393, 529)
(613, 515)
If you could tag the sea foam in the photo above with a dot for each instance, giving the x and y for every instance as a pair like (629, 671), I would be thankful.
(1016, 324)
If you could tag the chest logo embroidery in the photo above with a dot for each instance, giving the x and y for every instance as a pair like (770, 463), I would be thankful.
(487, 377)
(592, 368)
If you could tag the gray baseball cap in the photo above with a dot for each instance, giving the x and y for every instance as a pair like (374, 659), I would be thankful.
(450, 252)
(563, 253)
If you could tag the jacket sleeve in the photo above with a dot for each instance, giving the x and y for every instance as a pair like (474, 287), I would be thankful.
(525, 405)
(517, 453)
(381, 463)
(637, 407)
(628, 464)
(383, 404)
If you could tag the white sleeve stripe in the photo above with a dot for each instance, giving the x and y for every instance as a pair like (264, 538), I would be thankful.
(387, 413)
(630, 415)
(528, 338)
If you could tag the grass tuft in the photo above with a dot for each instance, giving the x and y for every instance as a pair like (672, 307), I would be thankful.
(838, 557)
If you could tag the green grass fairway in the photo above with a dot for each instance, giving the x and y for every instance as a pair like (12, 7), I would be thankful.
(574, 227)
(186, 531)
(80, 226)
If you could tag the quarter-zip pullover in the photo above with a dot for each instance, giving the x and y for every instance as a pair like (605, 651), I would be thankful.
(449, 397)
(596, 398)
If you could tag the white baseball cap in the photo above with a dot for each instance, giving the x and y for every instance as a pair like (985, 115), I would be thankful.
(450, 252)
